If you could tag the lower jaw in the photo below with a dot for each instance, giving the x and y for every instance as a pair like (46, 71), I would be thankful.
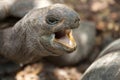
(64, 48)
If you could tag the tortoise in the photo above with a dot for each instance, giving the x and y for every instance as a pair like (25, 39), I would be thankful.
(107, 65)
(41, 32)
(19, 8)
(55, 24)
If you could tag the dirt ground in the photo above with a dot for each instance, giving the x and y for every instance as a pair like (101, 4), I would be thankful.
(105, 14)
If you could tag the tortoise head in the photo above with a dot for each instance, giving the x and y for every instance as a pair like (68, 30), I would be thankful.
(52, 28)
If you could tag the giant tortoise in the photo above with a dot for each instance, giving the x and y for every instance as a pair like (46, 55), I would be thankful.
(30, 31)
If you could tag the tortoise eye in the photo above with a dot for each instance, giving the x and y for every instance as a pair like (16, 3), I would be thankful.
(52, 20)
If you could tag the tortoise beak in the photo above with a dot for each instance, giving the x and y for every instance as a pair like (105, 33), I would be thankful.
(65, 38)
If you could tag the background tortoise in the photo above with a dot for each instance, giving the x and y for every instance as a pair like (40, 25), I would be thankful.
(18, 8)
(107, 66)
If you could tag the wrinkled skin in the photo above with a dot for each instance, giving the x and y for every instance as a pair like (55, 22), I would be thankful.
(107, 66)
(35, 35)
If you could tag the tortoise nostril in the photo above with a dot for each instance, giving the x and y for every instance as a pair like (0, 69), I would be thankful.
(77, 20)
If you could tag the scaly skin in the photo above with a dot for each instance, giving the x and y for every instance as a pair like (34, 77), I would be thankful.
(33, 37)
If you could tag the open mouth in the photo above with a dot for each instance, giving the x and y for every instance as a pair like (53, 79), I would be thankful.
(65, 38)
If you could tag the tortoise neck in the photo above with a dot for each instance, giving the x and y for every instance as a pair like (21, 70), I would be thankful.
(12, 43)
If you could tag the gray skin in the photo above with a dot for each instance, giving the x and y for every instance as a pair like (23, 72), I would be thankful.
(107, 66)
(33, 37)
(85, 38)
